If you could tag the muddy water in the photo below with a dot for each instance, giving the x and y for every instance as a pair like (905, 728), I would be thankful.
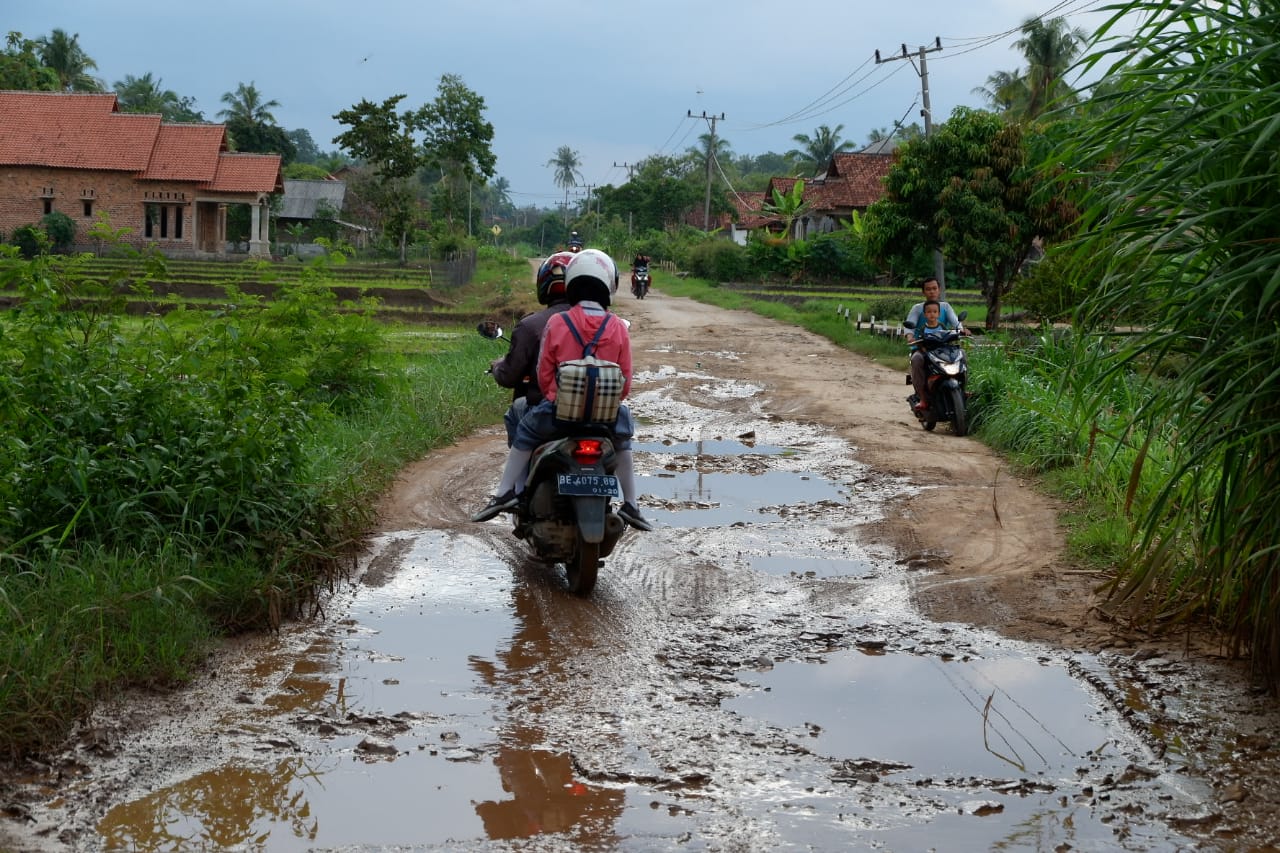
(747, 677)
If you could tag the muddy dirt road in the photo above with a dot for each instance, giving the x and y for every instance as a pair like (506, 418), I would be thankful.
(845, 633)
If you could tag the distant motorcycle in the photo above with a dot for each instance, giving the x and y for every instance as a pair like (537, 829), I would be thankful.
(640, 282)
(566, 514)
(947, 377)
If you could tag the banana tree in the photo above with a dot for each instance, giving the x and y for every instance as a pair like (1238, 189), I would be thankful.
(787, 206)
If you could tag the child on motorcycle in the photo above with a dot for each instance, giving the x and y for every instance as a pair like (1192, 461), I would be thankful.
(590, 280)
(931, 328)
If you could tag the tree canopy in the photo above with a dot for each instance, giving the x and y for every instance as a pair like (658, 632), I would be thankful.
(1050, 48)
(146, 94)
(972, 190)
(62, 53)
(21, 68)
(816, 151)
(456, 143)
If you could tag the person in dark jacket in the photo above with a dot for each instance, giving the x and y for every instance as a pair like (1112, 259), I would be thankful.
(518, 369)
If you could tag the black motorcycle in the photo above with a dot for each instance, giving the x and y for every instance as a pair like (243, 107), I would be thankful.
(566, 513)
(946, 375)
(640, 282)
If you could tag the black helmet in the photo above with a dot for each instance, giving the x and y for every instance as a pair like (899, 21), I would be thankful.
(551, 288)
(591, 275)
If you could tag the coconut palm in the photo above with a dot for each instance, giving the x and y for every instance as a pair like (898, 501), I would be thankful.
(816, 151)
(146, 94)
(246, 105)
(1006, 92)
(566, 163)
(1182, 227)
(63, 54)
(1050, 48)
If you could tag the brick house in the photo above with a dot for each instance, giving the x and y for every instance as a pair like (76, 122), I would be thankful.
(853, 181)
(169, 183)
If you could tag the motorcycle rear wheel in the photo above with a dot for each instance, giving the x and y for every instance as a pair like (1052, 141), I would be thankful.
(581, 571)
(959, 416)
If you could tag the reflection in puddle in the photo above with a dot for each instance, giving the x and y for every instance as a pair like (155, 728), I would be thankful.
(692, 499)
(709, 447)
(1001, 717)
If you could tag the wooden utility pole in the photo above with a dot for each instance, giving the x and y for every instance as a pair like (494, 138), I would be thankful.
(711, 152)
(926, 111)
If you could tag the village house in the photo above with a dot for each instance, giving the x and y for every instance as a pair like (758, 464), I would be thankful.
(853, 181)
(169, 184)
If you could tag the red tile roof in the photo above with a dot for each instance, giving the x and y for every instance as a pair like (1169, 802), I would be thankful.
(186, 152)
(88, 131)
(853, 180)
(748, 205)
(247, 173)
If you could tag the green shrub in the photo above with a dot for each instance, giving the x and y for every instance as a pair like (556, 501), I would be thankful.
(31, 241)
(891, 308)
(718, 260)
(1050, 291)
(60, 228)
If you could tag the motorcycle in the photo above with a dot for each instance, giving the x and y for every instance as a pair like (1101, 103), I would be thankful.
(640, 282)
(946, 376)
(566, 513)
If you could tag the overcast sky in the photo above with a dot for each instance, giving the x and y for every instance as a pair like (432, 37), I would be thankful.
(614, 81)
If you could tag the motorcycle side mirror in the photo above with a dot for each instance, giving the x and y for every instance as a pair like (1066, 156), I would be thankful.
(963, 314)
(489, 329)
(908, 324)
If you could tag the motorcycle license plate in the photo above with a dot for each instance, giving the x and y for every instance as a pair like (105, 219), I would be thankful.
(589, 485)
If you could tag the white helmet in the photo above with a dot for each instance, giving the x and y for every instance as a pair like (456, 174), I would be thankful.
(591, 275)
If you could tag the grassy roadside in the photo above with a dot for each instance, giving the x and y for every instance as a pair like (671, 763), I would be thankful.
(169, 482)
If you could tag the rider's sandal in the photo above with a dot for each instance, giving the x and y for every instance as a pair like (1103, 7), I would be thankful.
(630, 513)
(497, 505)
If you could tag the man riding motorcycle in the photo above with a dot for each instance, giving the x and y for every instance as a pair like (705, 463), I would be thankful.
(517, 370)
(931, 290)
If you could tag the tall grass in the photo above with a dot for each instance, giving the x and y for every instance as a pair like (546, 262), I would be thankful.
(1179, 235)
(167, 482)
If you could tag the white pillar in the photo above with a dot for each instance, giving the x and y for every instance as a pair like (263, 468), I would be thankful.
(258, 244)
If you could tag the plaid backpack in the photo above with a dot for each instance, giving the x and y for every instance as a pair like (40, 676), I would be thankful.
(588, 389)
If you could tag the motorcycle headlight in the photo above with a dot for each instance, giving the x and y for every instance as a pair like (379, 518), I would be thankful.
(952, 369)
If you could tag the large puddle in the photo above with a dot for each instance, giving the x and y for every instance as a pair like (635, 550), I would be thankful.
(796, 701)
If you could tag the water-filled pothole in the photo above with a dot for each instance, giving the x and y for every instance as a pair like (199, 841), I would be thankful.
(996, 717)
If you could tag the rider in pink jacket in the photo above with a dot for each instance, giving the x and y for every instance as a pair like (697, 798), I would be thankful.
(590, 280)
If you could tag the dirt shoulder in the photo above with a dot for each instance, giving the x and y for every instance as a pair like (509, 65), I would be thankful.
(991, 540)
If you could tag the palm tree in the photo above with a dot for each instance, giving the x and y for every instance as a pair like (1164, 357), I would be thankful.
(1006, 92)
(146, 94)
(1050, 48)
(68, 60)
(246, 105)
(816, 152)
(566, 163)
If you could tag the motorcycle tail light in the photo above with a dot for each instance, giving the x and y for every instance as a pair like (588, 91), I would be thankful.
(588, 451)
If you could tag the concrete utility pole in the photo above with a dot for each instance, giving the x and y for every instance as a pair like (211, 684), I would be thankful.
(630, 167)
(923, 71)
(711, 152)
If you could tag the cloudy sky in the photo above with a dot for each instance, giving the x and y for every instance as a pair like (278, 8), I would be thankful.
(614, 81)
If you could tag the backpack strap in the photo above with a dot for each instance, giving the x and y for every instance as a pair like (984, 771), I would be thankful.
(587, 349)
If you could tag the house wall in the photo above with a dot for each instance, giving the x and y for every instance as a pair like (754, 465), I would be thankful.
(176, 217)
